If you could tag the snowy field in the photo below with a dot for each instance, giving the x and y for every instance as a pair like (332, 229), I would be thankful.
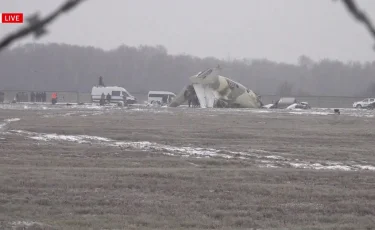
(185, 168)
(262, 157)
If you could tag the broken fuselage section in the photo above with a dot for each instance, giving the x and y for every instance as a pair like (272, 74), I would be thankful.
(212, 90)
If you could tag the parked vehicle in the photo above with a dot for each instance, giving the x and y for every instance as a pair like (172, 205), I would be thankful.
(160, 97)
(363, 104)
(118, 94)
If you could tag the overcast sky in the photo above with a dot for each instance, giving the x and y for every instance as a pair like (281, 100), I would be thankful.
(279, 30)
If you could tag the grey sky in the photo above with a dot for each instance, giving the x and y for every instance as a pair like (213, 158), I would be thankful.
(279, 30)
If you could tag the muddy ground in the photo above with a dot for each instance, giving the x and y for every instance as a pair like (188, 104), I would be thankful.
(180, 168)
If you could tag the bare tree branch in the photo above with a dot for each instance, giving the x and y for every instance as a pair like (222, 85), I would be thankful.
(360, 15)
(36, 25)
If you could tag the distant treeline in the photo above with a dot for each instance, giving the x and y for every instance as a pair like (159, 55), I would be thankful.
(76, 68)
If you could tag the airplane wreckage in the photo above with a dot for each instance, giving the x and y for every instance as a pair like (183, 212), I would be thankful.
(215, 91)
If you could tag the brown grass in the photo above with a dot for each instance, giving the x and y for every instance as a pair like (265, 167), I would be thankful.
(75, 186)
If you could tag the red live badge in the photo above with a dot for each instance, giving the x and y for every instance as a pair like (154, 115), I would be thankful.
(12, 17)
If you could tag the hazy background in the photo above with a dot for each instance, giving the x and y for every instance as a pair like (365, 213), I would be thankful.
(241, 34)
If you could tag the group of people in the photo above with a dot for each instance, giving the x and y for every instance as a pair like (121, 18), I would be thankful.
(38, 96)
(34, 97)
(104, 99)
(22, 97)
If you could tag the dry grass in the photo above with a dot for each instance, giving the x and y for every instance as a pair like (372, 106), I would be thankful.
(75, 186)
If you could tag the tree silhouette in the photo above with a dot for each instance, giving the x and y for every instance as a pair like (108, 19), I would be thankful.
(41, 67)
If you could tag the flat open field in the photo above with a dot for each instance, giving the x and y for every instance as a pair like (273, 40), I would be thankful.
(90, 167)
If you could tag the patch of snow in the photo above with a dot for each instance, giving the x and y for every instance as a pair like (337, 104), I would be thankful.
(193, 164)
(311, 113)
(27, 224)
(320, 113)
(263, 111)
(95, 138)
(263, 157)
(183, 151)
(319, 166)
(269, 166)
(143, 145)
(267, 106)
(12, 120)
(57, 137)
(365, 167)
(4, 125)
(275, 157)
(292, 106)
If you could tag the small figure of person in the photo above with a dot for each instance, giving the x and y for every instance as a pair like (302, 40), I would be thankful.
(102, 99)
(54, 98)
(195, 101)
(32, 96)
(108, 98)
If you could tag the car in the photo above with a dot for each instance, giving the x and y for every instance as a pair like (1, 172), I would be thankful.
(364, 103)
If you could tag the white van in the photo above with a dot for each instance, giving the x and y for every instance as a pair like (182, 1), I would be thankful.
(160, 97)
(117, 94)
